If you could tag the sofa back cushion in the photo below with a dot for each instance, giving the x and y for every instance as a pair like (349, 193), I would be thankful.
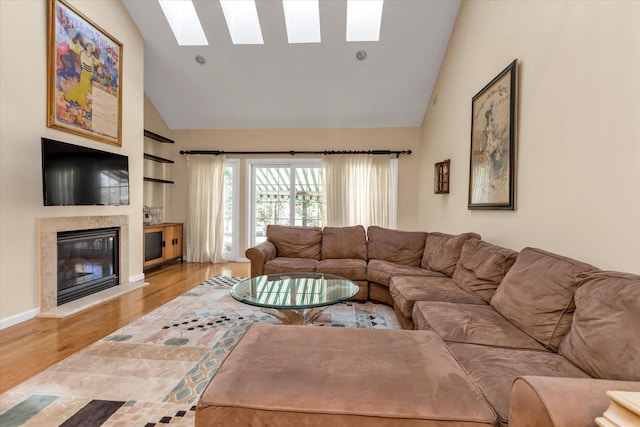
(537, 294)
(481, 267)
(295, 242)
(344, 243)
(604, 340)
(442, 251)
(400, 247)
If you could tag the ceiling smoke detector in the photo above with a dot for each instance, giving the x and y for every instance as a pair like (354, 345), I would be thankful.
(361, 55)
(200, 59)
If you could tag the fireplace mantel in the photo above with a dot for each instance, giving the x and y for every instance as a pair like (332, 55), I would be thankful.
(49, 228)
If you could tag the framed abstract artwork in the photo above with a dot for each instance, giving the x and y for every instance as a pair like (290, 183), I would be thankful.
(84, 76)
(493, 143)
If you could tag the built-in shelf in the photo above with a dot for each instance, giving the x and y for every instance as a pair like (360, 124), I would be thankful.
(161, 181)
(157, 159)
(157, 137)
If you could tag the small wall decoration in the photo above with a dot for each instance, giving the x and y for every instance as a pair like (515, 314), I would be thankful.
(493, 143)
(441, 177)
(84, 76)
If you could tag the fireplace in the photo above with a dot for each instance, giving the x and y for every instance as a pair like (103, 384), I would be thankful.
(87, 262)
(49, 228)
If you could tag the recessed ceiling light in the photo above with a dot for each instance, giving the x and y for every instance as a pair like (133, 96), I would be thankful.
(363, 20)
(361, 55)
(201, 59)
(302, 18)
(242, 21)
(184, 22)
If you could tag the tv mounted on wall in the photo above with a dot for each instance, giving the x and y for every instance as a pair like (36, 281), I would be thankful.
(75, 176)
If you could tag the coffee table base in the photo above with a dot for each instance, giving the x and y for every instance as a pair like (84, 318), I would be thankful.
(295, 316)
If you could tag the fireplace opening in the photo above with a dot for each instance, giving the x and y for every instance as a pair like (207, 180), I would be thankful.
(87, 262)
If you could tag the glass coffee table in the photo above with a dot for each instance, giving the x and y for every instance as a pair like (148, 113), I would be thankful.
(294, 298)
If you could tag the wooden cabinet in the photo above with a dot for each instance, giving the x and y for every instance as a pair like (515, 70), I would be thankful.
(162, 242)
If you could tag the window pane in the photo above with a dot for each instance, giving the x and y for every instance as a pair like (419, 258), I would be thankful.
(286, 194)
(308, 197)
(228, 209)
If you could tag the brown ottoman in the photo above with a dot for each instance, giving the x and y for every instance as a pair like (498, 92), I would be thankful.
(314, 376)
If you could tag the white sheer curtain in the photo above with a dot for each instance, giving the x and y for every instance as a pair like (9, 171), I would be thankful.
(205, 208)
(356, 190)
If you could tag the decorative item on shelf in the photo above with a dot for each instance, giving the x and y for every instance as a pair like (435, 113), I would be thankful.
(153, 216)
(493, 143)
(441, 177)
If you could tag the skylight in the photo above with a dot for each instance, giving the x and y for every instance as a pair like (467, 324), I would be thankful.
(242, 21)
(363, 20)
(184, 22)
(302, 18)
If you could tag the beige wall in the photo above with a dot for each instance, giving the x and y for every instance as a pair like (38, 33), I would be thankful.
(298, 139)
(578, 190)
(23, 101)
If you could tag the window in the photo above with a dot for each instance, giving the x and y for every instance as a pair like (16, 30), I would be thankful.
(284, 193)
(231, 209)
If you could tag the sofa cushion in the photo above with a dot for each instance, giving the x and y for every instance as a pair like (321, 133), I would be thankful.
(381, 272)
(471, 323)
(442, 251)
(537, 294)
(604, 339)
(295, 242)
(482, 266)
(353, 269)
(286, 265)
(494, 369)
(406, 290)
(399, 247)
(344, 242)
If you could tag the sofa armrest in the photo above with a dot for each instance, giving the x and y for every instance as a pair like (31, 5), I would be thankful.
(259, 256)
(567, 402)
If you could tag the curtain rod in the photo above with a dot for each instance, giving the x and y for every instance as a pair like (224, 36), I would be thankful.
(329, 152)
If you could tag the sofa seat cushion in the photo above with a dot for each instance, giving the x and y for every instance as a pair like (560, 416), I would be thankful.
(471, 323)
(350, 377)
(442, 251)
(344, 242)
(354, 269)
(381, 272)
(406, 290)
(604, 339)
(295, 241)
(537, 294)
(287, 265)
(396, 246)
(494, 369)
(482, 266)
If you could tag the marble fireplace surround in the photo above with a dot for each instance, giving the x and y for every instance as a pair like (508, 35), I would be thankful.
(49, 228)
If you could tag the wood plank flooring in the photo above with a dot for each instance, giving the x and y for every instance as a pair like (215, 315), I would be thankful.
(32, 346)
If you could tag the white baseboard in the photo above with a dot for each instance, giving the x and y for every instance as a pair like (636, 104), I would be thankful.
(243, 259)
(136, 278)
(18, 318)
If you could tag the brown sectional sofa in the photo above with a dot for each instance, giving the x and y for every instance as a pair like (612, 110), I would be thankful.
(542, 336)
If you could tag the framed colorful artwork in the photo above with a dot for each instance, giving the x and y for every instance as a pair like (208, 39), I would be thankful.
(84, 80)
(493, 143)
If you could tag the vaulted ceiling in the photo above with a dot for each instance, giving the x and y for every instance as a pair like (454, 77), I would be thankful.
(282, 85)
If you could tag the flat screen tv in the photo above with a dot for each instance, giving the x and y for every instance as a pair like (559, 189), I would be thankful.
(74, 176)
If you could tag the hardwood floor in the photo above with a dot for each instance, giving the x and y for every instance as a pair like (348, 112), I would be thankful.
(31, 347)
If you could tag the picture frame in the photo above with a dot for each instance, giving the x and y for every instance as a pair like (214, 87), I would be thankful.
(84, 76)
(492, 165)
(441, 174)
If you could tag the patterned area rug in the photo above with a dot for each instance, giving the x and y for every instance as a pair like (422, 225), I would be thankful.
(152, 371)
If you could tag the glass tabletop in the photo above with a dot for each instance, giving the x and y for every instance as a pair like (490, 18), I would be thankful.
(294, 290)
